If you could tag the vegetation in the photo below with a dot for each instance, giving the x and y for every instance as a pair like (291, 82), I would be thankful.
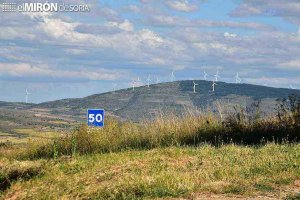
(241, 154)
(13, 120)
(245, 126)
(270, 171)
(175, 96)
(12, 171)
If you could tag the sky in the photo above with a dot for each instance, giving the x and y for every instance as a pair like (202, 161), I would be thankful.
(57, 55)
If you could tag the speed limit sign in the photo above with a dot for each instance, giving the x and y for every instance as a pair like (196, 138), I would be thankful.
(95, 117)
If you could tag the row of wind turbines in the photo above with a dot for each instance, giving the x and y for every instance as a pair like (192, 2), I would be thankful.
(134, 82)
(173, 77)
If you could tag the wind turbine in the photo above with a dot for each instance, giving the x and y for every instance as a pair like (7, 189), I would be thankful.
(148, 80)
(205, 75)
(217, 76)
(157, 80)
(114, 87)
(172, 76)
(27, 93)
(133, 84)
(237, 78)
(194, 86)
(213, 85)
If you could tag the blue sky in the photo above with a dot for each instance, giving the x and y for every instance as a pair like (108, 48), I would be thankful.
(65, 55)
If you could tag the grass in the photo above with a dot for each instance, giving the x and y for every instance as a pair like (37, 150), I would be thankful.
(24, 135)
(34, 134)
(13, 145)
(169, 157)
(170, 172)
(11, 171)
(245, 127)
(192, 130)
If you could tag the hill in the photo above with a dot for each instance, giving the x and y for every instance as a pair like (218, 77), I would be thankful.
(142, 103)
(176, 97)
(14, 105)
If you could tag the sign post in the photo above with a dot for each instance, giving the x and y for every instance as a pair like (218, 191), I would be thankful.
(95, 117)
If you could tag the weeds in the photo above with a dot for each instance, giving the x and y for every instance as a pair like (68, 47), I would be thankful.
(288, 111)
(244, 126)
(74, 145)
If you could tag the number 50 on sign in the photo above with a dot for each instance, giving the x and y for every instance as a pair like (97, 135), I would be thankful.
(95, 117)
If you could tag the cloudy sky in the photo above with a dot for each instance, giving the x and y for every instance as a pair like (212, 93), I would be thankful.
(75, 54)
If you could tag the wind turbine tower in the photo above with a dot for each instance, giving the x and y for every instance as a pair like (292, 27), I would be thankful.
(114, 88)
(194, 87)
(205, 75)
(133, 84)
(157, 80)
(148, 80)
(213, 85)
(217, 76)
(26, 97)
(237, 78)
(172, 76)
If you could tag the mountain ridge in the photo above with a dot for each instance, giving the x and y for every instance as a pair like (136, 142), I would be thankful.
(176, 96)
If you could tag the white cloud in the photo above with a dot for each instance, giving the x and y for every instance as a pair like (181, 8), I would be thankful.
(167, 20)
(109, 14)
(63, 31)
(273, 81)
(152, 48)
(9, 33)
(293, 64)
(158, 61)
(230, 35)
(215, 47)
(151, 38)
(288, 9)
(126, 25)
(134, 8)
(181, 5)
(76, 51)
(28, 70)
(138, 45)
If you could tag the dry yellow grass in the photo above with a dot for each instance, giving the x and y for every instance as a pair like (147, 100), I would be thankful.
(173, 172)
(170, 157)
(23, 136)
